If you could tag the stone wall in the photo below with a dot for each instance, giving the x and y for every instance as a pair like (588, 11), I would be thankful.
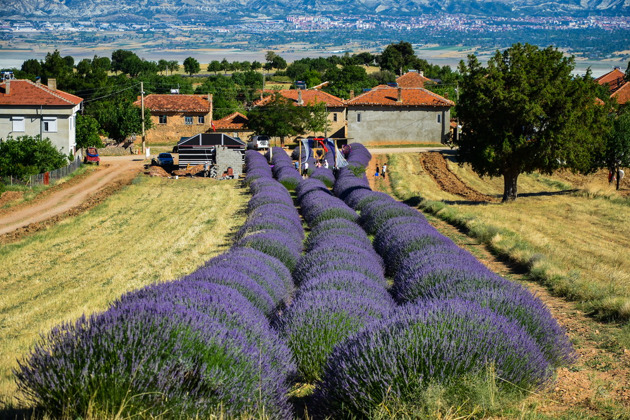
(229, 158)
(176, 128)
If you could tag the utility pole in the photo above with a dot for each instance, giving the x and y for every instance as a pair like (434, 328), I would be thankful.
(142, 106)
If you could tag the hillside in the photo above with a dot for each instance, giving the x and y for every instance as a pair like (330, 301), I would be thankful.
(281, 8)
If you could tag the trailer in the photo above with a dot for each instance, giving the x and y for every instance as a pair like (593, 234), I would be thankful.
(218, 150)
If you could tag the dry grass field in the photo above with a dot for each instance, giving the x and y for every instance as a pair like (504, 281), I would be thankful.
(155, 230)
(570, 232)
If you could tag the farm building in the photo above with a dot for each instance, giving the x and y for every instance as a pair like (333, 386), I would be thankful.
(218, 149)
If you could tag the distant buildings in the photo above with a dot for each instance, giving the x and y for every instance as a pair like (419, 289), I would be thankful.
(618, 87)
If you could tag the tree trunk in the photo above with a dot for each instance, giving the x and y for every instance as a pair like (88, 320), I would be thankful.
(510, 189)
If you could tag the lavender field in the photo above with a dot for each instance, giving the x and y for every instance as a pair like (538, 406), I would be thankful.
(327, 284)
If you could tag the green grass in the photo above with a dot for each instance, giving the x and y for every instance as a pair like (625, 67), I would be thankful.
(396, 146)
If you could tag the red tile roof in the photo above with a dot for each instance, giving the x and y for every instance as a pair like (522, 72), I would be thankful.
(384, 95)
(234, 121)
(412, 79)
(309, 97)
(176, 103)
(25, 92)
(614, 79)
(622, 95)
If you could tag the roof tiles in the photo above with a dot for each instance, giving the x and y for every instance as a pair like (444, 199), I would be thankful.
(309, 97)
(389, 96)
(176, 103)
(412, 79)
(25, 92)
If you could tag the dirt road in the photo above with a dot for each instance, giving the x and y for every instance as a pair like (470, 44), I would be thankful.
(391, 150)
(112, 169)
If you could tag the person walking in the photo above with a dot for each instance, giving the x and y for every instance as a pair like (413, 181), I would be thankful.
(305, 170)
(384, 170)
(377, 172)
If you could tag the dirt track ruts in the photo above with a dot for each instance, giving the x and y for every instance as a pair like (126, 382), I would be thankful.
(114, 170)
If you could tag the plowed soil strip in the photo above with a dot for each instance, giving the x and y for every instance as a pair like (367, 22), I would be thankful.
(435, 165)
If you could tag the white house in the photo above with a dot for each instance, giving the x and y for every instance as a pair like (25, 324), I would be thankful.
(30, 109)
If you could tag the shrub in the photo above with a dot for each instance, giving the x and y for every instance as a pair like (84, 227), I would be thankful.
(275, 264)
(224, 305)
(317, 321)
(274, 243)
(325, 175)
(245, 285)
(317, 263)
(148, 358)
(352, 282)
(432, 342)
(270, 197)
(376, 213)
(355, 237)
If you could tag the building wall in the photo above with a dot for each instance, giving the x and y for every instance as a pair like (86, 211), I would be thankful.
(398, 124)
(64, 138)
(176, 127)
(229, 157)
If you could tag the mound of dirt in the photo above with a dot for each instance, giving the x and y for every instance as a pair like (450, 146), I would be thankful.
(435, 165)
(157, 171)
(193, 170)
(9, 196)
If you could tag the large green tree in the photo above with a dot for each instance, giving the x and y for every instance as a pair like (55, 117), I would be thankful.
(87, 132)
(28, 155)
(281, 118)
(525, 112)
(191, 66)
(617, 152)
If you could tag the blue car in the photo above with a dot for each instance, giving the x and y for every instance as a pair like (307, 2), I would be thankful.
(165, 159)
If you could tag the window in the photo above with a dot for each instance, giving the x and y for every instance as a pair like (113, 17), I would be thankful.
(18, 124)
(439, 118)
(188, 119)
(162, 119)
(335, 117)
(359, 117)
(201, 119)
(49, 124)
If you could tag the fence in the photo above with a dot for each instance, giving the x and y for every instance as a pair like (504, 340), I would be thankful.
(40, 179)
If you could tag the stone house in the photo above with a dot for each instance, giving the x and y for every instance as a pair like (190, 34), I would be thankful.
(398, 115)
(31, 109)
(234, 125)
(175, 116)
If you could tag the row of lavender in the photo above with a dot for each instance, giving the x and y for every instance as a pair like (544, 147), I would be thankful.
(455, 319)
(199, 346)
(340, 279)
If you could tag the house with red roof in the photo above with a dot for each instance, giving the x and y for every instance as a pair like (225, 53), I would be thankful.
(399, 115)
(336, 108)
(234, 125)
(31, 109)
(617, 85)
(413, 78)
(175, 116)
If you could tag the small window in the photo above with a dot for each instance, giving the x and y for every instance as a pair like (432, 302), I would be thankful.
(18, 124)
(358, 117)
(188, 119)
(335, 117)
(49, 125)
(201, 119)
(162, 119)
(439, 118)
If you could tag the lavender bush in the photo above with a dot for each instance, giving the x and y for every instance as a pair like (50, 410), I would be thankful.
(148, 358)
(348, 281)
(438, 341)
(318, 320)
(274, 243)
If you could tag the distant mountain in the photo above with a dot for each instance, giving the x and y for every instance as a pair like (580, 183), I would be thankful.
(276, 8)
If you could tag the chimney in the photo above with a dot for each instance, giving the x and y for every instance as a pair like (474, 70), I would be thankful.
(399, 95)
(352, 94)
(52, 84)
(300, 101)
(7, 87)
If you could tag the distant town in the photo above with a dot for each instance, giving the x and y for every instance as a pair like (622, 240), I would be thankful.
(594, 37)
